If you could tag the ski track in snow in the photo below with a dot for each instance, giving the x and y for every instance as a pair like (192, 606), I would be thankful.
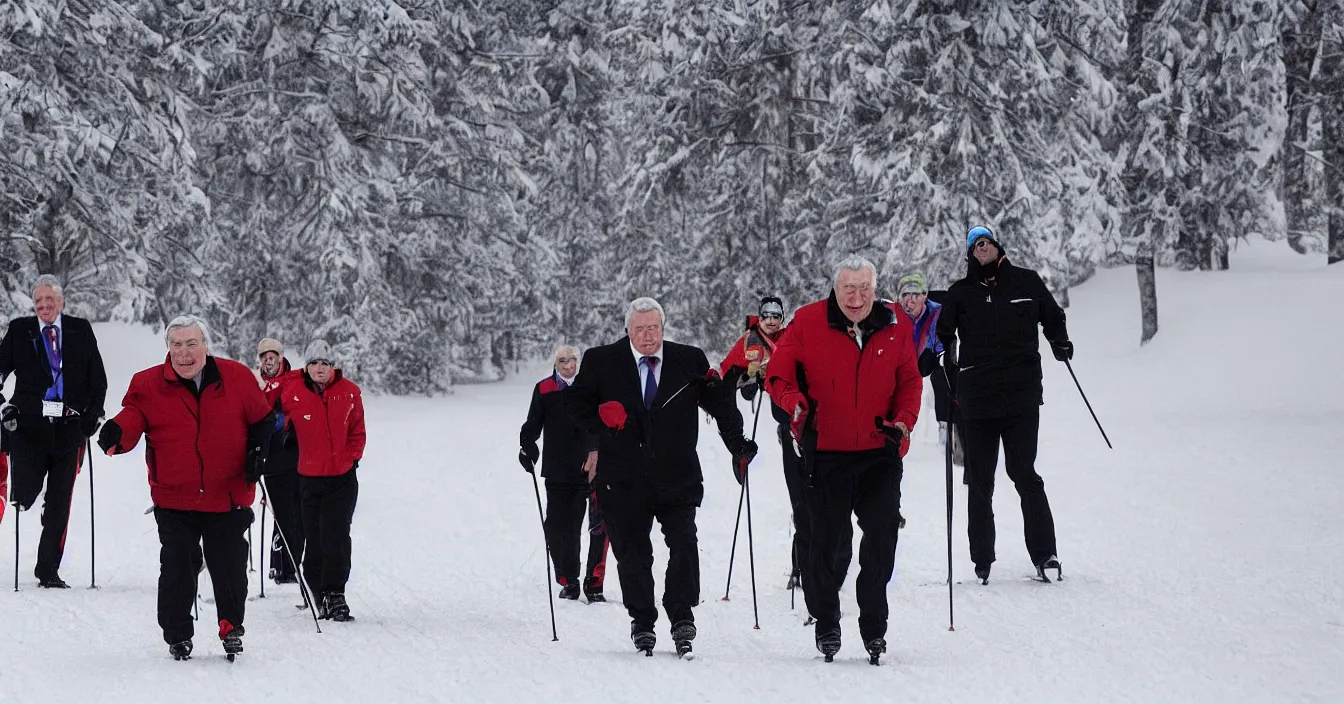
(1200, 556)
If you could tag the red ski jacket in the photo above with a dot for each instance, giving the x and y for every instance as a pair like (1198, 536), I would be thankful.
(329, 426)
(846, 386)
(739, 358)
(196, 448)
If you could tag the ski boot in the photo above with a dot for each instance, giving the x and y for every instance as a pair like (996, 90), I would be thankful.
(570, 591)
(683, 632)
(333, 603)
(1050, 563)
(180, 650)
(232, 638)
(875, 647)
(644, 639)
(592, 589)
(828, 641)
(982, 573)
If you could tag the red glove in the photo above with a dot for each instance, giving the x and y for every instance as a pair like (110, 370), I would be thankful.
(612, 414)
(799, 420)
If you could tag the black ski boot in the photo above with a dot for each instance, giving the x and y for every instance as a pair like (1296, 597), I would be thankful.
(570, 591)
(828, 641)
(51, 581)
(875, 647)
(335, 607)
(982, 573)
(1050, 563)
(643, 637)
(180, 650)
(232, 638)
(592, 589)
(683, 632)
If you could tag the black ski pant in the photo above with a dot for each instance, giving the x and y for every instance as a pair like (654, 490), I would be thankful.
(1018, 434)
(629, 511)
(796, 483)
(566, 505)
(282, 492)
(868, 485)
(31, 465)
(181, 535)
(328, 510)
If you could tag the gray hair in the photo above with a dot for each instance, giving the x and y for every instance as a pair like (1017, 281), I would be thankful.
(856, 263)
(51, 282)
(187, 321)
(644, 305)
(564, 351)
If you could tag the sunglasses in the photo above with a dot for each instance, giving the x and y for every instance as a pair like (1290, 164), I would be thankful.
(983, 242)
(769, 316)
(324, 362)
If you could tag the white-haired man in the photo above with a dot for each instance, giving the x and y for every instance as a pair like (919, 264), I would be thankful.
(847, 374)
(638, 399)
(59, 391)
(567, 490)
(209, 426)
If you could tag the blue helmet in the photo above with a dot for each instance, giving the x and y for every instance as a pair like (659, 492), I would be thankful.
(976, 233)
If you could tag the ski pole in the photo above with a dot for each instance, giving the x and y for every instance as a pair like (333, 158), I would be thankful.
(17, 514)
(751, 552)
(793, 579)
(261, 547)
(1089, 405)
(303, 583)
(951, 619)
(550, 592)
(93, 530)
(737, 524)
(250, 568)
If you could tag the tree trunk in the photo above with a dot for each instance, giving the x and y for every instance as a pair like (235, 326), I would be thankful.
(1301, 41)
(1147, 295)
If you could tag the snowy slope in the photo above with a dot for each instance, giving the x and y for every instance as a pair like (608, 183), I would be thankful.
(1201, 556)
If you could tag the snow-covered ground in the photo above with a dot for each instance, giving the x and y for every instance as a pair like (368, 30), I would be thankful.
(1201, 556)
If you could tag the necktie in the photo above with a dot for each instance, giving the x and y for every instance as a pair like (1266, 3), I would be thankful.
(650, 383)
(53, 346)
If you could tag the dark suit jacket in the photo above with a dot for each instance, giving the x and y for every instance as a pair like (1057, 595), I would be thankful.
(657, 447)
(84, 379)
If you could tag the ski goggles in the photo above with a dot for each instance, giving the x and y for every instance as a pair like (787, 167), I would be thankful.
(324, 362)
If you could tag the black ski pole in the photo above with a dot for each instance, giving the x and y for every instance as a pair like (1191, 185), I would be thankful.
(1089, 405)
(550, 592)
(303, 583)
(737, 524)
(751, 552)
(16, 512)
(793, 578)
(951, 619)
(93, 530)
(261, 551)
(250, 568)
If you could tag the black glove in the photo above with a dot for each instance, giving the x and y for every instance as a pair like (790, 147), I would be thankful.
(10, 418)
(928, 361)
(749, 390)
(744, 452)
(1063, 350)
(527, 457)
(255, 463)
(950, 370)
(893, 434)
(110, 436)
(89, 425)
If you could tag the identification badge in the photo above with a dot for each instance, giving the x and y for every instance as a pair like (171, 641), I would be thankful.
(53, 409)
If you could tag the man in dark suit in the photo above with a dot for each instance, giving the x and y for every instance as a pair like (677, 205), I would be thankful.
(59, 390)
(638, 399)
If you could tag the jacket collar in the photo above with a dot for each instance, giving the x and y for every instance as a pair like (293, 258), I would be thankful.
(209, 374)
(880, 317)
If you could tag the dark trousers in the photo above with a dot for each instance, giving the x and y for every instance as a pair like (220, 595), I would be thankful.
(328, 509)
(181, 535)
(32, 464)
(282, 493)
(868, 485)
(796, 483)
(565, 507)
(1018, 434)
(629, 512)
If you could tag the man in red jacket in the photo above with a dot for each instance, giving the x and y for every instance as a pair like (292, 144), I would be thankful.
(847, 374)
(326, 412)
(207, 426)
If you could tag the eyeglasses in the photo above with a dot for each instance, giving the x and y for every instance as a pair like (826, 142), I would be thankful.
(323, 362)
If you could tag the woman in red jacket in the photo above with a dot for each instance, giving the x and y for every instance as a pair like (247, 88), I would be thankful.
(326, 412)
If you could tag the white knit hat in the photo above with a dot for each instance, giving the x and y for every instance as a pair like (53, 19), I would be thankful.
(318, 349)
